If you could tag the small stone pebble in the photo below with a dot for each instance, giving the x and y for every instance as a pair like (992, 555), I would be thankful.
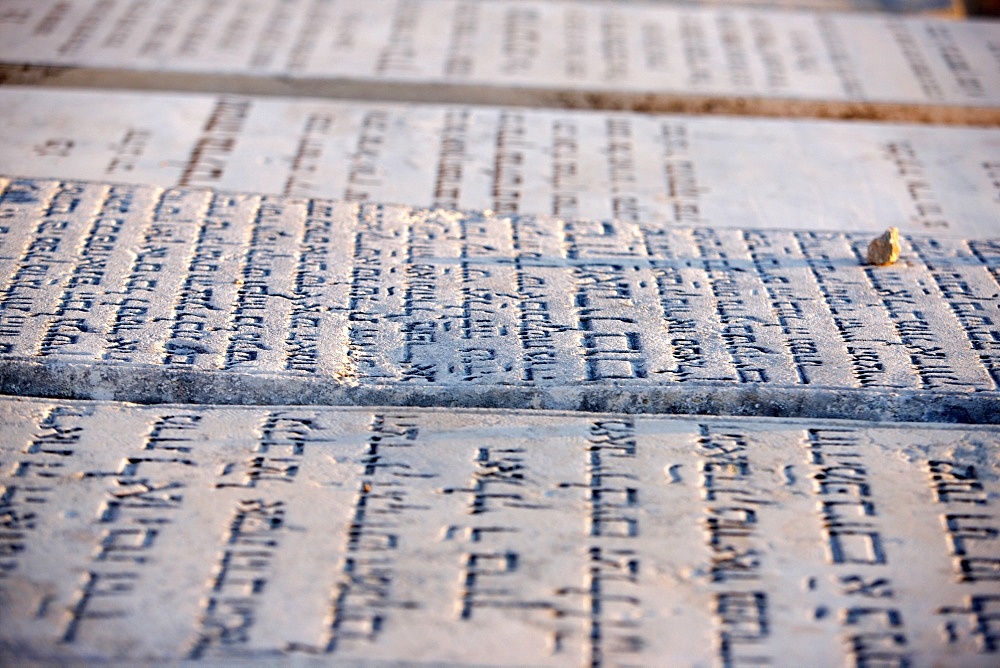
(884, 249)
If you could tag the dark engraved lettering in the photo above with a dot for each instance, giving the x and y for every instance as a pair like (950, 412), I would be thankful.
(241, 576)
(400, 51)
(979, 618)
(364, 596)
(365, 172)
(37, 470)
(142, 498)
(210, 155)
(850, 523)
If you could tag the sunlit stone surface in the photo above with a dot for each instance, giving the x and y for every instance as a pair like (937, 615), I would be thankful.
(344, 378)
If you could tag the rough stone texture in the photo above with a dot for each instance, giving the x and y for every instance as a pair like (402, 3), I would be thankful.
(144, 294)
(635, 56)
(884, 249)
(139, 534)
(670, 170)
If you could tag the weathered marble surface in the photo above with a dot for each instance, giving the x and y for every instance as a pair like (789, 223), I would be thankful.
(140, 293)
(151, 533)
(632, 55)
(671, 170)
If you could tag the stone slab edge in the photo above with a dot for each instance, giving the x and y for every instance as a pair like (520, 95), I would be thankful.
(539, 97)
(155, 385)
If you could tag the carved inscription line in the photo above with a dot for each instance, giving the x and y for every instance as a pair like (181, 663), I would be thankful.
(253, 536)
(41, 261)
(36, 467)
(737, 562)
(612, 584)
(873, 624)
(364, 592)
(144, 495)
(971, 290)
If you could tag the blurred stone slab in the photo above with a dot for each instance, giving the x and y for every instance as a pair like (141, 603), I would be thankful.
(671, 170)
(940, 8)
(555, 54)
(162, 533)
(144, 294)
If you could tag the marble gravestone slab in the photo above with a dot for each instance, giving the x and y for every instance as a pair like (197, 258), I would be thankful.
(185, 295)
(554, 54)
(669, 170)
(161, 533)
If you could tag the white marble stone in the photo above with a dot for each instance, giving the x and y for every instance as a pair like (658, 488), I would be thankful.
(669, 170)
(632, 55)
(141, 293)
(141, 534)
